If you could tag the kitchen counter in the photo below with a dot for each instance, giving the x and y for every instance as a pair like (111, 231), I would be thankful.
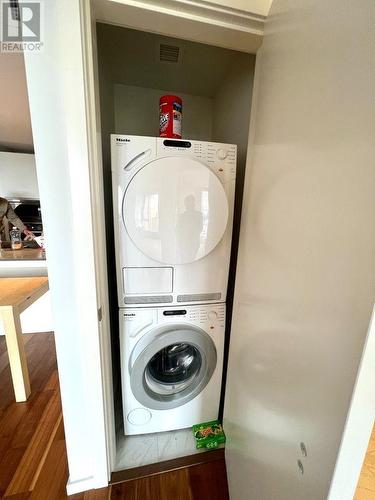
(24, 262)
(23, 254)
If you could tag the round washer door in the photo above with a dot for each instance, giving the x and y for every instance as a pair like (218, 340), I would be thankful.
(171, 366)
(175, 210)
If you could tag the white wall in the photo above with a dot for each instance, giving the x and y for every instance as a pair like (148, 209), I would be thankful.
(107, 112)
(231, 121)
(18, 176)
(232, 105)
(137, 112)
(305, 279)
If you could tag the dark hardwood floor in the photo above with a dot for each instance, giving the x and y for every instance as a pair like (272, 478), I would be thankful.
(33, 462)
(366, 483)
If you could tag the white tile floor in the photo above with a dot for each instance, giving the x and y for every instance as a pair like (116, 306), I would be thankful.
(133, 451)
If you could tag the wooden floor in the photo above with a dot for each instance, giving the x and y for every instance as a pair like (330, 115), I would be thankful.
(366, 483)
(33, 462)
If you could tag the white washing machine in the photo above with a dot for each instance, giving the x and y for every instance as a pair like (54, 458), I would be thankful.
(173, 212)
(171, 365)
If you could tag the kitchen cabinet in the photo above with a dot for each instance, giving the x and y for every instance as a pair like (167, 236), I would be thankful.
(304, 292)
(18, 176)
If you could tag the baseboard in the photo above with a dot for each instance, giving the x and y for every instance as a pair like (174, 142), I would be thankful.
(88, 483)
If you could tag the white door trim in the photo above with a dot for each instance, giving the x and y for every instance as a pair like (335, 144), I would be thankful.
(57, 81)
(91, 81)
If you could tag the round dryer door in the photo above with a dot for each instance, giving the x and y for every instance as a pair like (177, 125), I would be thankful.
(175, 210)
(171, 366)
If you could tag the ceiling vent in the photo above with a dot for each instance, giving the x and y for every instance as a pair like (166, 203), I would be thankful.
(170, 53)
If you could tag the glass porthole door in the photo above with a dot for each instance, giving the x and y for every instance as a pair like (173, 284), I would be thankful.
(173, 369)
(171, 366)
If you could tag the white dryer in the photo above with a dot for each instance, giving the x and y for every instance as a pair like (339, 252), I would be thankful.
(171, 364)
(173, 212)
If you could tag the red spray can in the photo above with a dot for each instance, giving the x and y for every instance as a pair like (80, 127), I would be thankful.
(170, 116)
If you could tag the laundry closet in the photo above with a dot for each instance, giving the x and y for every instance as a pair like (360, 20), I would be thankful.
(135, 69)
(298, 392)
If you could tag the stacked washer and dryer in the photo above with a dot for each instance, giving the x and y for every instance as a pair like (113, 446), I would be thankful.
(173, 212)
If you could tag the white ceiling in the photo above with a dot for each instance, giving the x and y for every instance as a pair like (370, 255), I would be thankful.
(132, 57)
(15, 124)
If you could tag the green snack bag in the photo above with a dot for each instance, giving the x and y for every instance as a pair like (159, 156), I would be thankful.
(208, 434)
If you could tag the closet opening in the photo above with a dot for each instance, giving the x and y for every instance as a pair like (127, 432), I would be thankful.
(136, 68)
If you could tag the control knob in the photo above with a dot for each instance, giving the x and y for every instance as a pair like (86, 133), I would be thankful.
(212, 315)
(222, 154)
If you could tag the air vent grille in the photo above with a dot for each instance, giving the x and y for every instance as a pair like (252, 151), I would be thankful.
(198, 297)
(169, 53)
(148, 299)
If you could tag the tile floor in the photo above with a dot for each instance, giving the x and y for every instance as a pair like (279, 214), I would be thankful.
(134, 451)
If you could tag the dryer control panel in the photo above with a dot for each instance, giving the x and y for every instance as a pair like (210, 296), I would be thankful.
(221, 158)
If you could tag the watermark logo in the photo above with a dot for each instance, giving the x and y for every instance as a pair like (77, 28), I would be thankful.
(21, 26)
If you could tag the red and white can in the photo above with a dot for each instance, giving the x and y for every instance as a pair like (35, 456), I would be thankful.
(170, 124)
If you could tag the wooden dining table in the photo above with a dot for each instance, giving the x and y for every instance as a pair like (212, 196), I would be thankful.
(16, 295)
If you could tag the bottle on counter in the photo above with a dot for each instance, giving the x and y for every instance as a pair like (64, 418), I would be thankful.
(15, 239)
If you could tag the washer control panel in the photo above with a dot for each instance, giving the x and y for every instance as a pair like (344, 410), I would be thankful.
(204, 316)
(141, 320)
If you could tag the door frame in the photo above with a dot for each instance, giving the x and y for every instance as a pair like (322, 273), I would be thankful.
(91, 81)
(64, 105)
(225, 27)
(57, 83)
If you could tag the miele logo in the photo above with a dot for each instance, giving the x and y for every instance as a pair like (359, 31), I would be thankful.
(118, 139)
